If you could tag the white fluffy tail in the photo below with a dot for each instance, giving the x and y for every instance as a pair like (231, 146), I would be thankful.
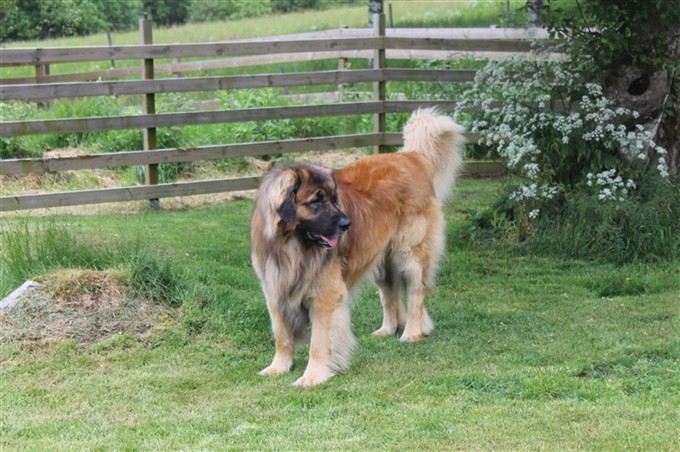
(434, 135)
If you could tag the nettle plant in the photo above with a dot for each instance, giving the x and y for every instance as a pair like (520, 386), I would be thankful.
(557, 133)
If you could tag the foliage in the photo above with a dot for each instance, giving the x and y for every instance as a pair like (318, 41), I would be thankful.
(567, 144)
(632, 48)
(166, 12)
(589, 182)
(41, 19)
(282, 129)
(641, 227)
(31, 19)
(554, 129)
(610, 34)
(119, 15)
(214, 10)
(286, 6)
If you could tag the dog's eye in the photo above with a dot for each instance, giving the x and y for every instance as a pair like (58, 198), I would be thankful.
(319, 198)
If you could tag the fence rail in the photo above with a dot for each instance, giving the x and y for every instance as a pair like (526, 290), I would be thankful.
(48, 91)
(14, 57)
(366, 43)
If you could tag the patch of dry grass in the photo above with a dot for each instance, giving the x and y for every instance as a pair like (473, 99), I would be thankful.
(84, 305)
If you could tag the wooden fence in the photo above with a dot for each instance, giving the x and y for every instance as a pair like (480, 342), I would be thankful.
(376, 44)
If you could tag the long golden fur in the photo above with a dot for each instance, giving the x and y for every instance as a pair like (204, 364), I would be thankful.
(316, 232)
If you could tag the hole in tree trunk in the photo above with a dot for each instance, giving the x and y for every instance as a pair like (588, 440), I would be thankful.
(639, 86)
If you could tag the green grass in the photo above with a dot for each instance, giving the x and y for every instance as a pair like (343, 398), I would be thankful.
(406, 13)
(529, 352)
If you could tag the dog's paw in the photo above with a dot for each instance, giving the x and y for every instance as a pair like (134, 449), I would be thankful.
(384, 331)
(312, 379)
(411, 338)
(273, 370)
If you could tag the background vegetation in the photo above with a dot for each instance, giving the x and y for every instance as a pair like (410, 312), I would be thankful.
(31, 19)
(591, 139)
(42, 19)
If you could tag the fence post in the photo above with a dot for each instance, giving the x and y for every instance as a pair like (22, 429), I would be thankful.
(42, 71)
(108, 38)
(342, 65)
(176, 73)
(149, 108)
(379, 63)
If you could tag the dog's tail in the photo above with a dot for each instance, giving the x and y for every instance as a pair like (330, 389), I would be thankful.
(436, 136)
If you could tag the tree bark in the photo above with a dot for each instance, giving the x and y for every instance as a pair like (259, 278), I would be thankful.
(654, 93)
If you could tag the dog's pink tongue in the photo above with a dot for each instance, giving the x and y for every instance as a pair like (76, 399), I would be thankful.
(332, 241)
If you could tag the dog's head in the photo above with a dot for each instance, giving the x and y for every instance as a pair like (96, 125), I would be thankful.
(302, 199)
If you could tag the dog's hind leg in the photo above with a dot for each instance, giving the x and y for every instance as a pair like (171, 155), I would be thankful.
(419, 266)
(418, 322)
(394, 316)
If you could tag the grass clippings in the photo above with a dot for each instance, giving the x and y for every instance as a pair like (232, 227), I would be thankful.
(83, 305)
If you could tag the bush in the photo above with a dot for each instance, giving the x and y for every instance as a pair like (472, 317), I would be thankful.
(644, 227)
(120, 15)
(287, 6)
(42, 19)
(215, 10)
(583, 174)
(167, 12)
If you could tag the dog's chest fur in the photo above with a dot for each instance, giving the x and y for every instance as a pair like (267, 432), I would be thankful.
(293, 270)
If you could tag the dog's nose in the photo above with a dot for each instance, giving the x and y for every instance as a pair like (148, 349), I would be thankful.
(344, 223)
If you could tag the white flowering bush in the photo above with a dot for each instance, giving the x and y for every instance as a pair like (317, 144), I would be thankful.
(611, 186)
(558, 133)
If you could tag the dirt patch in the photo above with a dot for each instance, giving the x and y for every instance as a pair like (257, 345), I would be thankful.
(84, 305)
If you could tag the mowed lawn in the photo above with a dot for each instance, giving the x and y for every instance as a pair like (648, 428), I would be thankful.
(528, 352)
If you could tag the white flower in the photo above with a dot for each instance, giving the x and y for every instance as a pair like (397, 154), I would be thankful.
(532, 170)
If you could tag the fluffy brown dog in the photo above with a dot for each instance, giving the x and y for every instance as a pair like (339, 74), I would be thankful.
(316, 232)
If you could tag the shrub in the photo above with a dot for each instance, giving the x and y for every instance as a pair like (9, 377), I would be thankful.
(214, 10)
(579, 167)
(643, 227)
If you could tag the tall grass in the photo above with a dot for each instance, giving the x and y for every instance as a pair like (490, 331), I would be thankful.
(37, 248)
(645, 228)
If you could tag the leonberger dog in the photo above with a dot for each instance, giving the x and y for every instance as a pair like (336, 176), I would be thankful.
(316, 232)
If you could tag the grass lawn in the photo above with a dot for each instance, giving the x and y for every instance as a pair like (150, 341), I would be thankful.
(528, 352)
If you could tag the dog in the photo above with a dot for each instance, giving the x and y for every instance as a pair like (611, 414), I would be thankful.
(315, 233)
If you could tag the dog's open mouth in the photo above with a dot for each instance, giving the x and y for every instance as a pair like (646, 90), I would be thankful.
(321, 240)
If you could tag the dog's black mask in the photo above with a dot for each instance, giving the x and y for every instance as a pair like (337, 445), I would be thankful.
(313, 206)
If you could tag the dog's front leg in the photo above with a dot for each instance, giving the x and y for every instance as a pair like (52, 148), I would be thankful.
(332, 340)
(285, 342)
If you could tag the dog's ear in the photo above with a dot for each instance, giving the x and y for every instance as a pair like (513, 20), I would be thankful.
(276, 198)
(288, 208)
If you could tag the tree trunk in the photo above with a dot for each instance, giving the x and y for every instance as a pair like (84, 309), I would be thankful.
(655, 94)
(533, 13)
